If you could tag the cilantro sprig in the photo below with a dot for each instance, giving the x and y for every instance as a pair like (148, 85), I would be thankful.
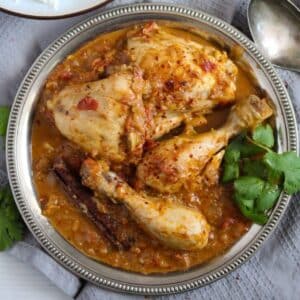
(4, 115)
(11, 225)
(258, 173)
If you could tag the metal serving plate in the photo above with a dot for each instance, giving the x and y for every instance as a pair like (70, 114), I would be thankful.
(18, 149)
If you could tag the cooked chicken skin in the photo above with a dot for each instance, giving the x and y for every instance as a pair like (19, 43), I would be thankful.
(106, 117)
(183, 75)
(177, 162)
(174, 225)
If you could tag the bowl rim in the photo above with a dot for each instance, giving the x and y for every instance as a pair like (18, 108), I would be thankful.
(28, 216)
(53, 16)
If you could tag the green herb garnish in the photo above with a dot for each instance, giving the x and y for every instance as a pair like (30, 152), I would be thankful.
(288, 164)
(263, 134)
(258, 173)
(4, 115)
(11, 225)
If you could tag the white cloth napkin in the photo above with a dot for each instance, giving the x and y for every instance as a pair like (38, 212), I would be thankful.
(273, 272)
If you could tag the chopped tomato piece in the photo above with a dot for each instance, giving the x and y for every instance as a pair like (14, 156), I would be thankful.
(87, 103)
(207, 66)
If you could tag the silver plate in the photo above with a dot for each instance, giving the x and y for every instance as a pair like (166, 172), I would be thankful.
(18, 150)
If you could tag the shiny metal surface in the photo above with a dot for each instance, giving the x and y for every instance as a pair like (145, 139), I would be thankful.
(275, 28)
(18, 148)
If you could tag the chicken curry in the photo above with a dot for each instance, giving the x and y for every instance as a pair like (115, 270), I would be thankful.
(127, 144)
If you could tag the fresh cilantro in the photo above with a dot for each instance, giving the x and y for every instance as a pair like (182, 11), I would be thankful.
(4, 115)
(263, 134)
(248, 187)
(274, 176)
(258, 173)
(11, 225)
(268, 197)
(231, 158)
(255, 197)
(254, 168)
(231, 171)
(288, 164)
(239, 147)
(256, 217)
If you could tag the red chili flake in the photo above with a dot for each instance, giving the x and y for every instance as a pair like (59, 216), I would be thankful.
(87, 103)
(66, 75)
(207, 66)
(170, 85)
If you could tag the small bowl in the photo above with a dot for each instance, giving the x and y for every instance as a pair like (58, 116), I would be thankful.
(39, 10)
(18, 148)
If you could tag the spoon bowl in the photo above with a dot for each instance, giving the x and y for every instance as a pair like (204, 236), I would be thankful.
(275, 28)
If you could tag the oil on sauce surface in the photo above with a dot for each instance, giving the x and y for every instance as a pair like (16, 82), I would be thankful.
(146, 255)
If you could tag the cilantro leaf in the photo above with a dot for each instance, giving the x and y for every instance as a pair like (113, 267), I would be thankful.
(248, 187)
(263, 134)
(233, 153)
(249, 149)
(4, 115)
(231, 171)
(257, 217)
(287, 163)
(254, 197)
(274, 176)
(244, 147)
(238, 148)
(254, 168)
(268, 197)
(11, 226)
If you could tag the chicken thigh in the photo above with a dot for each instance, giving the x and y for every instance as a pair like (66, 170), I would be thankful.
(178, 162)
(106, 117)
(173, 224)
(183, 75)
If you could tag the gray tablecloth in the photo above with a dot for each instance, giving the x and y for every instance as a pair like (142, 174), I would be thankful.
(272, 273)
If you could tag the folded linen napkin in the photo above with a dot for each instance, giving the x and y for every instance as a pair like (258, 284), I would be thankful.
(273, 273)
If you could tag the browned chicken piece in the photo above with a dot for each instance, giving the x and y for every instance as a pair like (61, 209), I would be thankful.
(84, 200)
(183, 75)
(173, 224)
(179, 161)
(105, 118)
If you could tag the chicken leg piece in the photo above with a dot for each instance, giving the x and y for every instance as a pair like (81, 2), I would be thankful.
(173, 224)
(178, 162)
(105, 118)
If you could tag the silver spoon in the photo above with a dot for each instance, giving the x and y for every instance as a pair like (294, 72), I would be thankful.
(275, 28)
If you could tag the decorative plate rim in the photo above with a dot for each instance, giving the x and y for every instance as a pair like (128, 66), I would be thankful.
(53, 16)
(27, 214)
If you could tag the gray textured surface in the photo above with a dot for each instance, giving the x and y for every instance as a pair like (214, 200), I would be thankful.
(273, 273)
